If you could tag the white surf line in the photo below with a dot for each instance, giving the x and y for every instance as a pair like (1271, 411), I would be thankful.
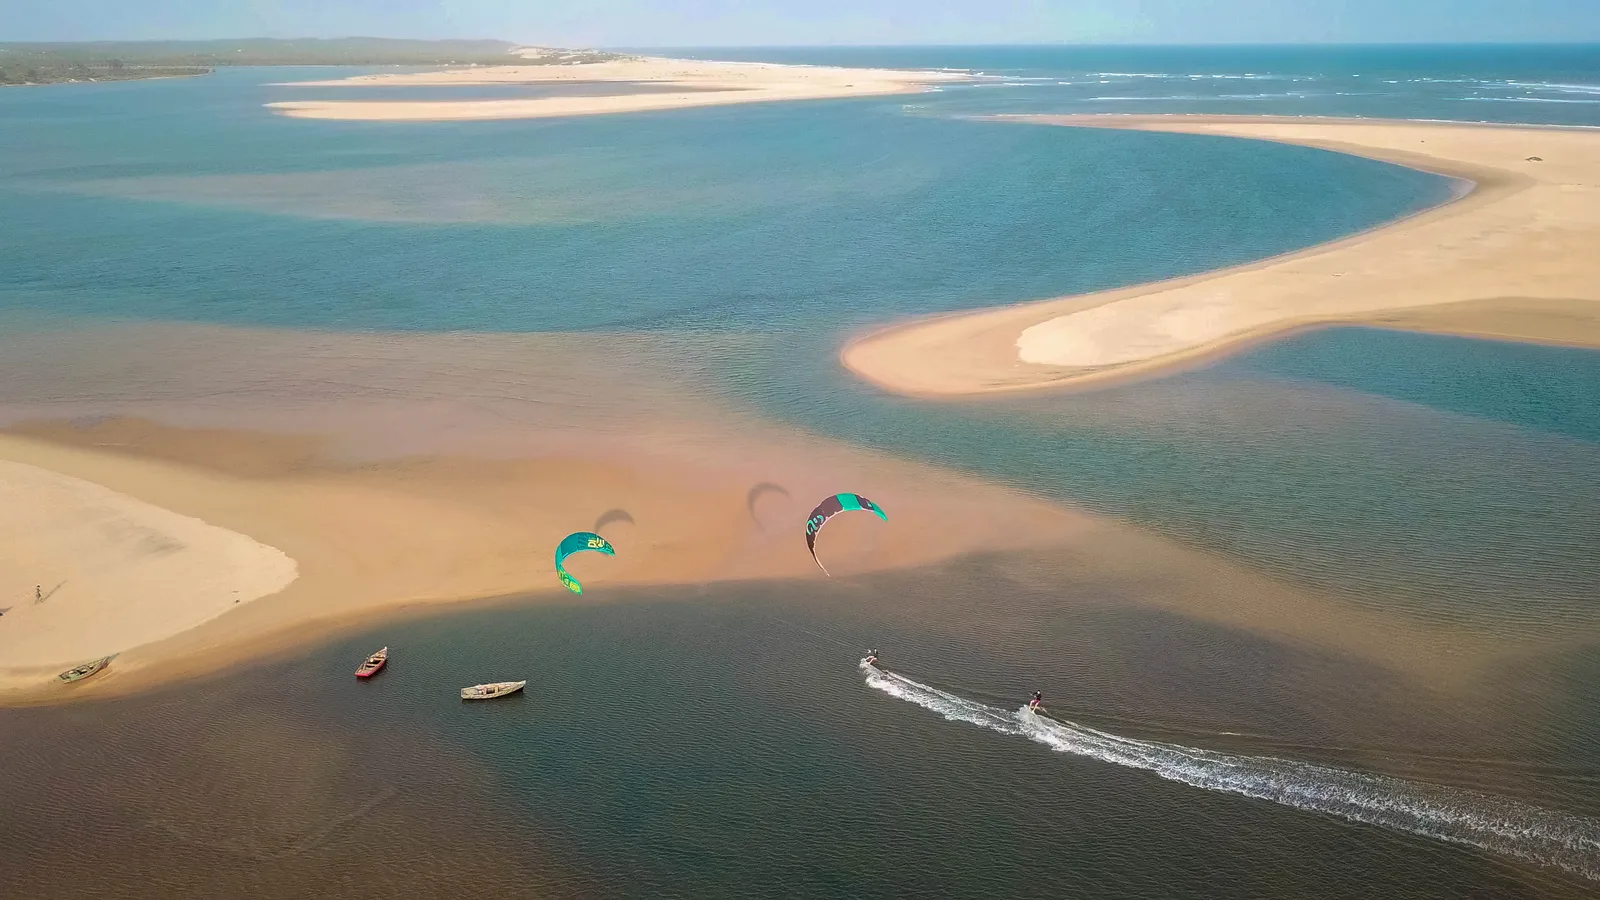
(1456, 815)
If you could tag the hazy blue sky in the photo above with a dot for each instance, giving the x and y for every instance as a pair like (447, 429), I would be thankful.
(768, 22)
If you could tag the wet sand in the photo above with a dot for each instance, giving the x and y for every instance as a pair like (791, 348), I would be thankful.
(1510, 257)
(400, 472)
(421, 530)
(703, 83)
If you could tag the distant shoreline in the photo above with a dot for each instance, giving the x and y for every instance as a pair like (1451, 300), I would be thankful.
(163, 77)
(31, 64)
(1504, 259)
(703, 82)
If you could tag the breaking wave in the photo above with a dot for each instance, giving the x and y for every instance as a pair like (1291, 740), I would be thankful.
(1530, 100)
(1456, 815)
(1557, 86)
(1222, 76)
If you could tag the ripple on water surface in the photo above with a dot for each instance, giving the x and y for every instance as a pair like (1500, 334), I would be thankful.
(721, 742)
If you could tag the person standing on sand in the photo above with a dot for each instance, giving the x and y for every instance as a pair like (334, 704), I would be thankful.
(37, 596)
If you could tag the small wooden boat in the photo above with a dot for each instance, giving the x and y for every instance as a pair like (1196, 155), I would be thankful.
(373, 664)
(491, 691)
(85, 670)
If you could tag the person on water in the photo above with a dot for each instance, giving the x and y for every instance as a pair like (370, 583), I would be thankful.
(872, 657)
(1037, 702)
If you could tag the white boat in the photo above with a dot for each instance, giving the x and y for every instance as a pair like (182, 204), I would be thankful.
(491, 691)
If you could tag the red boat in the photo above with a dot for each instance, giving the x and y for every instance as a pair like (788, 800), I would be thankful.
(373, 664)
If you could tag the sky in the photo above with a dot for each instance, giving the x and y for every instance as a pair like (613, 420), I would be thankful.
(707, 23)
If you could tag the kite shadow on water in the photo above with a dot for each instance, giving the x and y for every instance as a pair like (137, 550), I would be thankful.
(750, 498)
(611, 517)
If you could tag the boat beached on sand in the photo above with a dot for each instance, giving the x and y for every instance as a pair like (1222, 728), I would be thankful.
(85, 670)
(490, 691)
(373, 664)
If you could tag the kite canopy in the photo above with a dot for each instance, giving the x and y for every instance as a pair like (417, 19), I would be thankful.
(577, 542)
(829, 508)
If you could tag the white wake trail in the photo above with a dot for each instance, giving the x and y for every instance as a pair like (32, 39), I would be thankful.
(1460, 816)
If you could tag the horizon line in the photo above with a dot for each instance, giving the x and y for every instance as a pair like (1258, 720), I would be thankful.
(1592, 42)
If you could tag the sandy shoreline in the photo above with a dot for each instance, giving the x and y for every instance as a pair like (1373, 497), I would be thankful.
(331, 479)
(112, 571)
(376, 538)
(703, 83)
(396, 540)
(404, 473)
(1508, 259)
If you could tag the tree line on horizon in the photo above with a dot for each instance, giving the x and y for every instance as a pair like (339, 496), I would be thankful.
(46, 63)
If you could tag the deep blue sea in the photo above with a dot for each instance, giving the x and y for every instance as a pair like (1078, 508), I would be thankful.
(721, 741)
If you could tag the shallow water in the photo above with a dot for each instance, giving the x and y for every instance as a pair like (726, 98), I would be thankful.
(784, 216)
(1422, 512)
(1449, 478)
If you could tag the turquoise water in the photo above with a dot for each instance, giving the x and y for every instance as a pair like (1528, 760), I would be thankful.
(1423, 473)
(780, 217)
(722, 743)
(1548, 84)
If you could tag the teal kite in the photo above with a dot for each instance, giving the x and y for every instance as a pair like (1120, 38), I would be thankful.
(577, 542)
(829, 508)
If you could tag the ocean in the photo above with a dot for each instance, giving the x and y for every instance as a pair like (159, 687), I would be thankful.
(1428, 506)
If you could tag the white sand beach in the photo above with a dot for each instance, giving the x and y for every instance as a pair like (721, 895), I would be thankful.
(111, 572)
(1513, 257)
(703, 83)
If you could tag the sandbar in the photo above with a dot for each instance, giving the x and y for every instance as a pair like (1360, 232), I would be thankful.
(143, 535)
(1511, 256)
(406, 473)
(111, 572)
(703, 83)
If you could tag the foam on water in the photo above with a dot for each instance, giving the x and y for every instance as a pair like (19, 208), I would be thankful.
(1529, 100)
(1226, 76)
(1484, 821)
(1557, 86)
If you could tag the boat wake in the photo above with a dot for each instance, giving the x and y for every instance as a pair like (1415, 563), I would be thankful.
(1460, 816)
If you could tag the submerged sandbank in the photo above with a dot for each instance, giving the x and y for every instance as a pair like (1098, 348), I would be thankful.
(704, 83)
(375, 535)
(401, 472)
(1512, 257)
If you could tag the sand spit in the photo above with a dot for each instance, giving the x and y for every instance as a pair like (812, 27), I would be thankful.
(1513, 257)
(113, 512)
(403, 472)
(111, 572)
(399, 538)
(704, 83)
